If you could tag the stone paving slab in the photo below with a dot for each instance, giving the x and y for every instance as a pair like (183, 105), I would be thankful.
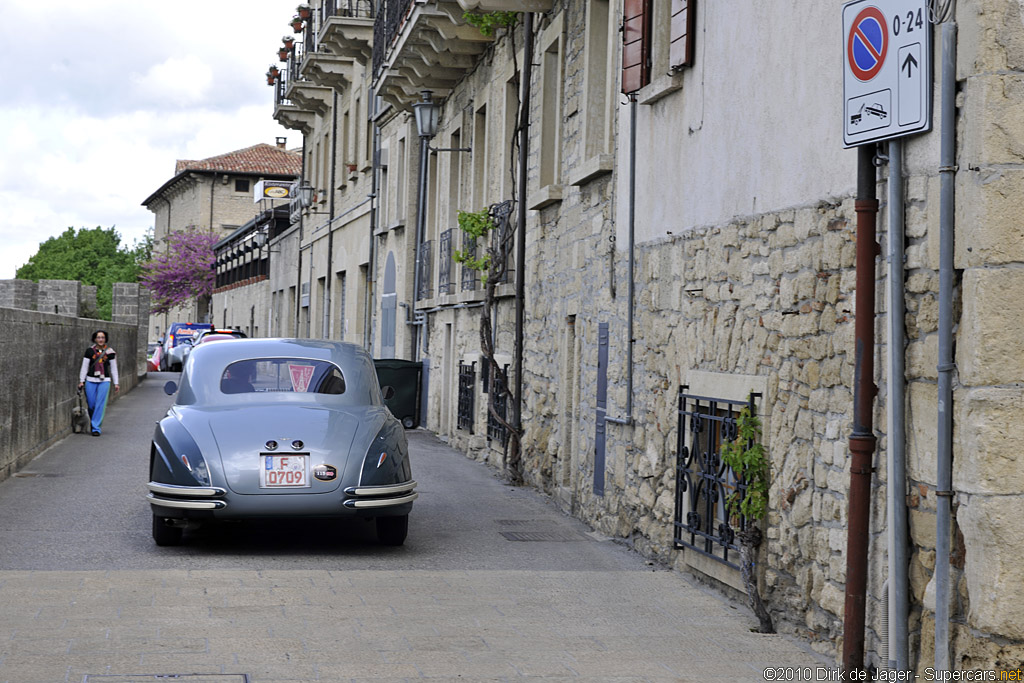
(379, 626)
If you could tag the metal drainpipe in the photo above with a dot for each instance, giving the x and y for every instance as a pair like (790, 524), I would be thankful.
(302, 228)
(947, 170)
(862, 439)
(897, 598)
(325, 317)
(628, 419)
(524, 151)
(371, 276)
(421, 221)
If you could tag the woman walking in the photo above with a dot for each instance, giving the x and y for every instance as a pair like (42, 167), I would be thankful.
(99, 368)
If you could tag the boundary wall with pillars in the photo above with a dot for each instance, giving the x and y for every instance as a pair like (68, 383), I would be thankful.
(39, 391)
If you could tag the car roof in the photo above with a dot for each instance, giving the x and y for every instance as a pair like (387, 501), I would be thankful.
(200, 381)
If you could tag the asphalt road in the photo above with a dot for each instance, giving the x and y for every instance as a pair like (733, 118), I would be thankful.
(81, 505)
(86, 596)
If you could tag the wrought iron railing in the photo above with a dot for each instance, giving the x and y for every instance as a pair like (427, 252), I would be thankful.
(469, 275)
(386, 28)
(347, 8)
(495, 430)
(281, 87)
(703, 481)
(503, 239)
(444, 263)
(295, 61)
(467, 385)
(426, 288)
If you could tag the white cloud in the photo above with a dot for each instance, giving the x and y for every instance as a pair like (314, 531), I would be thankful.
(119, 91)
(175, 82)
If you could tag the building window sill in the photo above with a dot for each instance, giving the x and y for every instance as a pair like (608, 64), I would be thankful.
(545, 196)
(593, 168)
(660, 88)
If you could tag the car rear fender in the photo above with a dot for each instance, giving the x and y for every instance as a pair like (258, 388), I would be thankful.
(387, 457)
(167, 466)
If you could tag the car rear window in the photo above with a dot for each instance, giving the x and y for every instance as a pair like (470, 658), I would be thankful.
(294, 375)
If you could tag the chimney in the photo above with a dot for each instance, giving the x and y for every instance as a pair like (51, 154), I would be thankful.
(282, 143)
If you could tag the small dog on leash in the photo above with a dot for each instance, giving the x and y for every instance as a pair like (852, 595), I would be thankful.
(79, 417)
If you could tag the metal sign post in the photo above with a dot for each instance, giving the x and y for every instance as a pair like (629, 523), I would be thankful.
(887, 70)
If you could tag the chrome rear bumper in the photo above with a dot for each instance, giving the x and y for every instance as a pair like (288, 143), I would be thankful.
(184, 497)
(364, 497)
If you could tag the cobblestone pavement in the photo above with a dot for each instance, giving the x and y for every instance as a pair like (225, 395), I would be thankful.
(461, 601)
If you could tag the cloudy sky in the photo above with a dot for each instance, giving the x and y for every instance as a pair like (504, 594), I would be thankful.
(99, 98)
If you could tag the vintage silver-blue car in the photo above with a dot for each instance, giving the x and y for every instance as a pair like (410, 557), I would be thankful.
(279, 428)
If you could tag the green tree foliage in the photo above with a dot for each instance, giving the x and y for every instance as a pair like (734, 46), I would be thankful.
(92, 256)
(489, 22)
(746, 456)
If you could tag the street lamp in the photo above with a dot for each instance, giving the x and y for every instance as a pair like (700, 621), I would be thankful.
(427, 112)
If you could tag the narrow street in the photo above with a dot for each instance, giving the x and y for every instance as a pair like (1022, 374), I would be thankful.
(85, 595)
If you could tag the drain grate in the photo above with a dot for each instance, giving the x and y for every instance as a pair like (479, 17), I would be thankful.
(523, 522)
(166, 678)
(541, 536)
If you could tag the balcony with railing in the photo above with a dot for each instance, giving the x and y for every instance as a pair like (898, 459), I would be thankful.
(346, 28)
(289, 114)
(422, 46)
(304, 92)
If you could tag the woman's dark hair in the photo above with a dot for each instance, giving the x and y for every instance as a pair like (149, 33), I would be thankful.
(104, 332)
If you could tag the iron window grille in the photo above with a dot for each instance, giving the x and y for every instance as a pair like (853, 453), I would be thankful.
(444, 263)
(467, 380)
(703, 481)
(426, 289)
(469, 275)
(503, 238)
(495, 430)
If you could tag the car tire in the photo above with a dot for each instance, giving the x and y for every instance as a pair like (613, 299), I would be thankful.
(408, 422)
(176, 367)
(164, 534)
(392, 530)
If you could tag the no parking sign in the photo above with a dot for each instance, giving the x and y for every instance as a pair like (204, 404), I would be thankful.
(887, 71)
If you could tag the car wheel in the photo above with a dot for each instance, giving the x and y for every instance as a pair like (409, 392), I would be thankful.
(408, 422)
(392, 530)
(164, 533)
(176, 367)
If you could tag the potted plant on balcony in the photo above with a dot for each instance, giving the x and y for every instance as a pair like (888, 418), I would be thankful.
(304, 10)
(289, 42)
(297, 23)
(282, 54)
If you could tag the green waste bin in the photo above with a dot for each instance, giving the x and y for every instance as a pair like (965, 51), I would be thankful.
(405, 377)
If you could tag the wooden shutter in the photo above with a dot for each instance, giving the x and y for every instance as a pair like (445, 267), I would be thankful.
(636, 45)
(681, 50)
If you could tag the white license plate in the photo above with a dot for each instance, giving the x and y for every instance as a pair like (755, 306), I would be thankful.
(284, 471)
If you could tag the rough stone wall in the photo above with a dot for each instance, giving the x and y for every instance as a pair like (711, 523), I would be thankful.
(59, 296)
(86, 302)
(23, 294)
(244, 307)
(42, 385)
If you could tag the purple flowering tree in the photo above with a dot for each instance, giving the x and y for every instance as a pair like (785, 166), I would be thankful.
(183, 272)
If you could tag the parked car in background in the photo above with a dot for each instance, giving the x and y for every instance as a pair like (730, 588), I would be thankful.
(278, 428)
(175, 348)
(222, 331)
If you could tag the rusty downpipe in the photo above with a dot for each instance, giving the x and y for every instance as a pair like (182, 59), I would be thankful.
(862, 439)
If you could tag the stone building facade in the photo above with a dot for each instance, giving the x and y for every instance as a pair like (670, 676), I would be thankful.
(742, 220)
(214, 195)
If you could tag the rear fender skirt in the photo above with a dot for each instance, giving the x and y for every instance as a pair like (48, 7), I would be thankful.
(170, 442)
(394, 468)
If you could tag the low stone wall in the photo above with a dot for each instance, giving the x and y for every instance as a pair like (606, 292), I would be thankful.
(38, 390)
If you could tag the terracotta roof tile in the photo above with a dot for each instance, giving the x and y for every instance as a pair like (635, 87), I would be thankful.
(260, 159)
